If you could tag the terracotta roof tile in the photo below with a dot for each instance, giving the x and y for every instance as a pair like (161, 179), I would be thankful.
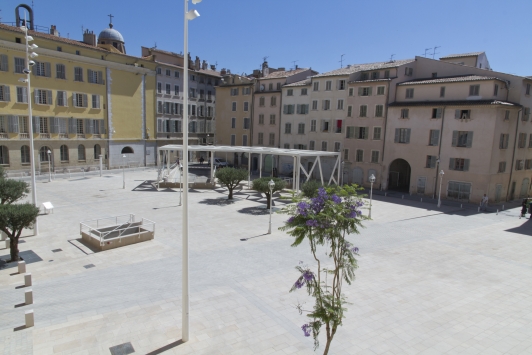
(453, 103)
(299, 83)
(460, 55)
(283, 73)
(350, 69)
(451, 79)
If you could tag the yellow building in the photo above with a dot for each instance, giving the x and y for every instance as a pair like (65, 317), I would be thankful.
(88, 98)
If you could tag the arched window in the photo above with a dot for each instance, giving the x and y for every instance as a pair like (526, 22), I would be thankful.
(4, 155)
(81, 152)
(97, 151)
(127, 150)
(43, 153)
(64, 152)
(25, 154)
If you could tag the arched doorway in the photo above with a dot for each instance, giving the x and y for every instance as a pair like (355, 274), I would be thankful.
(399, 175)
(127, 150)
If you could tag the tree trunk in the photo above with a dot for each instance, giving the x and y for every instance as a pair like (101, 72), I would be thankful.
(13, 249)
(230, 197)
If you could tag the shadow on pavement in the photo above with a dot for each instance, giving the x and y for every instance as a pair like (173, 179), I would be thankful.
(28, 256)
(217, 202)
(525, 228)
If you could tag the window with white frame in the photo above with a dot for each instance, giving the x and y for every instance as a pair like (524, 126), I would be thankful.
(434, 137)
(442, 91)
(78, 74)
(303, 91)
(272, 119)
(316, 86)
(260, 140)
(234, 92)
(42, 69)
(168, 72)
(350, 132)
(346, 154)
(349, 111)
(159, 88)
(233, 122)
(302, 109)
(60, 71)
(341, 84)
(325, 125)
(22, 94)
(402, 135)
(351, 91)
(328, 85)
(337, 147)
(20, 65)
(324, 146)
(301, 128)
(502, 167)
(377, 133)
(431, 161)
(361, 132)
(404, 113)
(246, 123)
(288, 128)
(261, 118)
(290, 92)
(338, 126)
(313, 125)
(233, 106)
(96, 101)
(459, 164)
(4, 63)
(312, 145)
(159, 71)
(363, 111)
(288, 109)
(314, 104)
(271, 140)
(233, 139)
(379, 110)
(246, 106)
(245, 140)
(168, 88)
(43, 97)
(94, 77)
(340, 105)
(375, 156)
(364, 91)
(326, 105)
(62, 98)
(474, 90)
(273, 101)
(5, 93)
(359, 156)
(262, 101)
(409, 93)
(380, 90)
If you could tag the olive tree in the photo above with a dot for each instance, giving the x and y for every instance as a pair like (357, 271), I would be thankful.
(262, 185)
(14, 217)
(326, 221)
(230, 178)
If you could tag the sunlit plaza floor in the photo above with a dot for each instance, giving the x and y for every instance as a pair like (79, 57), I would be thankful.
(430, 281)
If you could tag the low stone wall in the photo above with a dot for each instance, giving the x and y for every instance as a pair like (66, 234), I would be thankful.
(195, 185)
(128, 239)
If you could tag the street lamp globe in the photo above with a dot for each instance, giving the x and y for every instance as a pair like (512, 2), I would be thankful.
(372, 178)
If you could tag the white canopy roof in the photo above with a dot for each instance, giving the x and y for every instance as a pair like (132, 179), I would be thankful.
(252, 150)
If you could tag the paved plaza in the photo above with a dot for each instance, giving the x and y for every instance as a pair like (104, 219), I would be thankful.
(430, 281)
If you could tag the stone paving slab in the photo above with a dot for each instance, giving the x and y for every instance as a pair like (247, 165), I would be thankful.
(430, 281)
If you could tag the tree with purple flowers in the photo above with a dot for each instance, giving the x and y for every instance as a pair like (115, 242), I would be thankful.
(326, 221)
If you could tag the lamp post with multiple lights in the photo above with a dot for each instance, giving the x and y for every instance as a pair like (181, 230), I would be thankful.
(124, 172)
(439, 193)
(188, 16)
(49, 165)
(371, 180)
(271, 185)
(26, 80)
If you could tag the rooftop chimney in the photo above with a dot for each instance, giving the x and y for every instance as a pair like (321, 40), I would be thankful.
(53, 31)
(204, 65)
(213, 67)
(197, 63)
(223, 72)
(265, 69)
(89, 38)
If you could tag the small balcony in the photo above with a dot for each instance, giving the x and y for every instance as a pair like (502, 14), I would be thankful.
(4, 136)
(24, 135)
(44, 136)
(80, 136)
(63, 135)
(97, 136)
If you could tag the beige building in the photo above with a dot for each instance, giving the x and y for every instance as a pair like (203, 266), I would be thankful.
(234, 111)
(267, 108)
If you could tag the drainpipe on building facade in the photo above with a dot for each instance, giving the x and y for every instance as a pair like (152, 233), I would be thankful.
(439, 152)
(252, 111)
(384, 135)
(513, 154)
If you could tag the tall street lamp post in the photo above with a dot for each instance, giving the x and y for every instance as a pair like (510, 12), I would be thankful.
(439, 193)
(49, 165)
(271, 185)
(371, 180)
(180, 182)
(26, 80)
(124, 171)
(188, 16)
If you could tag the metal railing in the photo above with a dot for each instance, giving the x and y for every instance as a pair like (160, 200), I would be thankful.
(103, 228)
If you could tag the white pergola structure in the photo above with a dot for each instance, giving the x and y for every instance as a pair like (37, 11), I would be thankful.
(297, 154)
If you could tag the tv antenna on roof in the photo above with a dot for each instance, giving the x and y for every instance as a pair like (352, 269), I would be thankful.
(341, 61)
(294, 62)
(391, 57)
(265, 58)
(434, 52)
(426, 50)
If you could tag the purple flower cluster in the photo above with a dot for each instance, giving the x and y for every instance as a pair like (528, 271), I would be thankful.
(305, 277)
(351, 247)
(306, 329)
(312, 223)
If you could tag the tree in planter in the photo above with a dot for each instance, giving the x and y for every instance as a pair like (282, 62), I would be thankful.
(230, 178)
(13, 219)
(326, 221)
(262, 185)
(310, 188)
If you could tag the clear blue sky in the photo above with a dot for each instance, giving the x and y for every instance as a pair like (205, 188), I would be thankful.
(237, 34)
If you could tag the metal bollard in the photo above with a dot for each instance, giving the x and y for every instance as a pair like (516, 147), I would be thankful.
(478, 209)
(27, 279)
(460, 205)
(30, 321)
(21, 267)
(28, 297)
(497, 211)
(403, 196)
(385, 194)
(422, 199)
(503, 207)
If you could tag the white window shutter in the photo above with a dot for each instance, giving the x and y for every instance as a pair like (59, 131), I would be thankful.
(12, 124)
(102, 127)
(7, 94)
(49, 97)
(72, 126)
(36, 122)
(85, 100)
(36, 95)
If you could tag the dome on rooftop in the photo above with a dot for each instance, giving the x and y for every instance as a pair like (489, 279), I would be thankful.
(110, 34)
